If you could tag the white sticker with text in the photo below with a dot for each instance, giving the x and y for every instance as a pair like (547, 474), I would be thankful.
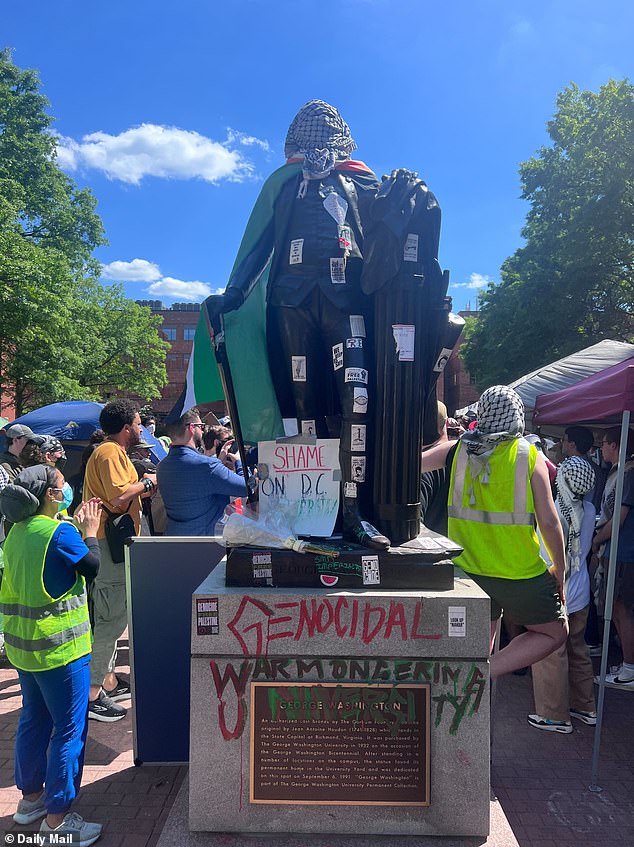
(404, 336)
(457, 621)
(337, 271)
(352, 343)
(349, 489)
(337, 356)
(297, 251)
(370, 568)
(410, 253)
(308, 427)
(356, 375)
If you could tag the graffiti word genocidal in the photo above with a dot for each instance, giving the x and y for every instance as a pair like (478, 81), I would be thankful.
(256, 624)
(457, 688)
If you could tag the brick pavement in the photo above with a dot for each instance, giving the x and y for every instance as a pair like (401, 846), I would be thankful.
(132, 803)
(540, 778)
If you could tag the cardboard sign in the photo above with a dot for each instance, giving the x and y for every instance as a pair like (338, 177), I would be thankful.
(303, 482)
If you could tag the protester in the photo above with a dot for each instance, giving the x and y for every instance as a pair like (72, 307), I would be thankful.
(77, 481)
(578, 441)
(563, 683)
(623, 609)
(46, 563)
(111, 476)
(434, 485)
(18, 436)
(499, 485)
(53, 452)
(195, 488)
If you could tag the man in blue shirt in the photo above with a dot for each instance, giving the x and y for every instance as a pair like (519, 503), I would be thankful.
(195, 488)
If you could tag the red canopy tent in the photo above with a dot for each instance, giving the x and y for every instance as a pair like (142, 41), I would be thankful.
(599, 399)
(604, 399)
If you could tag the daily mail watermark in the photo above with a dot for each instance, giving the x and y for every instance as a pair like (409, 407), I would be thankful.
(41, 839)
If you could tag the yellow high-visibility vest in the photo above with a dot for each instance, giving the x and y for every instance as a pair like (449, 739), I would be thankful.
(497, 531)
(41, 632)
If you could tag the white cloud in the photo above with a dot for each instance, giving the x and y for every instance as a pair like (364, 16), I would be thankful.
(161, 151)
(475, 281)
(138, 270)
(247, 140)
(180, 290)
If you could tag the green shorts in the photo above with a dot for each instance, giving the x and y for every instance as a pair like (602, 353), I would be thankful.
(524, 601)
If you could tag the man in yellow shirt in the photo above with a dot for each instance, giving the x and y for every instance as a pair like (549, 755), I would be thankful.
(111, 476)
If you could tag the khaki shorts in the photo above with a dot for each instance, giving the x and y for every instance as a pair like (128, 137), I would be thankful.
(525, 601)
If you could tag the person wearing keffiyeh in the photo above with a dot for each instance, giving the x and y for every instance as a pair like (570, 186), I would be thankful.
(563, 683)
(499, 487)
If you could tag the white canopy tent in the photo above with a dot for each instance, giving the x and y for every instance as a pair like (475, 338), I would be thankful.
(564, 373)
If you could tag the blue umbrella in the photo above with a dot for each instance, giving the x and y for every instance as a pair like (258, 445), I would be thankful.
(76, 420)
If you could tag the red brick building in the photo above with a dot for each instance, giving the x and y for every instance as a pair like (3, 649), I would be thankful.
(179, 328)
(458, 389)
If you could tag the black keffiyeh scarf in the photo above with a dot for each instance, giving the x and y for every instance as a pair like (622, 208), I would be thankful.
(575, 477)
(322, 136)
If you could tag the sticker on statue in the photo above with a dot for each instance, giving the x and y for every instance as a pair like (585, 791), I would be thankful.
(357, 326)
(360, 401)
(337, 271)
(337, 356)
(370, 568)
(296, 252)
(410, 251)
(354, 343)
(349, 489)
(442, 359)
(336, 206)
(357, 464)
(357, 442)
(404, 336)
(308, 428)
(299, 368)
(356, 375)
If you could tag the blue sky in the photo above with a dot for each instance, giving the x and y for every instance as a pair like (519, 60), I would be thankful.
(173, 114)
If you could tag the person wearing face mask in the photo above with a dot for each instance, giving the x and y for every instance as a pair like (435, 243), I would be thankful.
(47, 563)
(53, 452)
(149, 422)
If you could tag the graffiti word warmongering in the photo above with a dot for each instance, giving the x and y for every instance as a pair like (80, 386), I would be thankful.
(256, 624)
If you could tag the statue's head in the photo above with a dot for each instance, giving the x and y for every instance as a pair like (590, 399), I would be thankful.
(320, 135)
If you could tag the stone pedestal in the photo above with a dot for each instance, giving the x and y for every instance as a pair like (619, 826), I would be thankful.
(309, 649)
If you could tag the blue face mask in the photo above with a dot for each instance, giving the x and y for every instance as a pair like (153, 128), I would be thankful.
(67, 495)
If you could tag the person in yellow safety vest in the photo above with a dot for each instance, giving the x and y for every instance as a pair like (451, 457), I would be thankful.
(498, 488)
(48, 640)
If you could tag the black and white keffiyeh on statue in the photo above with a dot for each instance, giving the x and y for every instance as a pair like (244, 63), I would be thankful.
(575, 478)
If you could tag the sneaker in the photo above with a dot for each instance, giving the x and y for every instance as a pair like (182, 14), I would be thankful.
(82, 833)
(29, 811)
(105, 709)
(550, 726)
(595, 650)
(586, 717)
(121, 691)
(617, 680)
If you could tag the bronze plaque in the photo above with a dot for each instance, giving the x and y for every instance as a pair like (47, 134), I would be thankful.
(340, 743)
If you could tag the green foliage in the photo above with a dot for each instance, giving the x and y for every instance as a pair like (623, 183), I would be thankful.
(572, 284)
(62, 334)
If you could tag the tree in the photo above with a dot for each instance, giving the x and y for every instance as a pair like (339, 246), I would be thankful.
(572, 284)
(62, 334)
